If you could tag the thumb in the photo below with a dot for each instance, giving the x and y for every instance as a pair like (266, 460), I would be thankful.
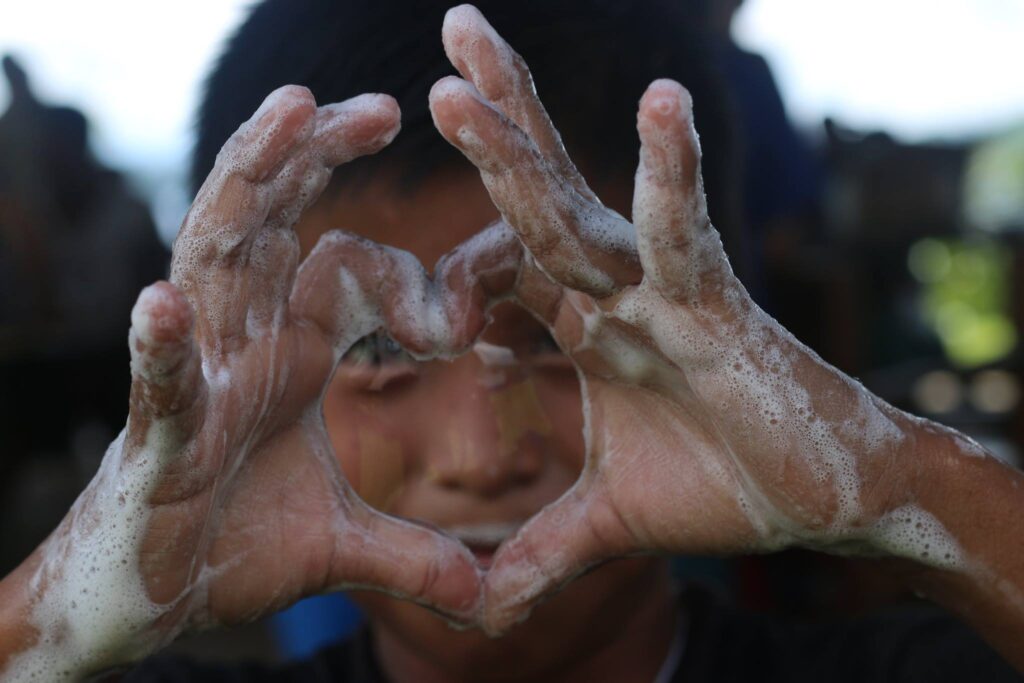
(575, 533)
(167, 380)
(407, 560)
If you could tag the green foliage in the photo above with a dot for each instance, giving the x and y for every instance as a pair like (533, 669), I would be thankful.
(965, 297)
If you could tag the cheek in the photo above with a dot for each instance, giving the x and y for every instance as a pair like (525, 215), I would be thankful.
(558, 393)
(518, 413)
(372, 456)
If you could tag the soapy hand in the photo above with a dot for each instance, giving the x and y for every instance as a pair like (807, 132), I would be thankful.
(222, 500)
(709, 428)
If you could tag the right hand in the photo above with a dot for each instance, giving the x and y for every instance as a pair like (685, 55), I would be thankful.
(223, 500)
(709, 429)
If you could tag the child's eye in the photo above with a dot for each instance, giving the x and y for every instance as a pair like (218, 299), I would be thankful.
(376, 349)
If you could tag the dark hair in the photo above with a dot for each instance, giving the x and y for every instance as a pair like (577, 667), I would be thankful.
(591, 60)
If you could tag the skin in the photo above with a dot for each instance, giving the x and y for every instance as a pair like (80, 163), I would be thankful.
(678, 365)
(673, 359)
(457, 469)
(229, 362)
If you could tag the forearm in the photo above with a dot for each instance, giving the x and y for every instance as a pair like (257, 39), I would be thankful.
(947, 508)
(937, 501)
(925, 494)
(980, 503)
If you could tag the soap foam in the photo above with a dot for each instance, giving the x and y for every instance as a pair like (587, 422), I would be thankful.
(93, 608)
(913, 533)
(743, 375)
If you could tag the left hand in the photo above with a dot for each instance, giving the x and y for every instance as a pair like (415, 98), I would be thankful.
(709, 428)
(223, 500)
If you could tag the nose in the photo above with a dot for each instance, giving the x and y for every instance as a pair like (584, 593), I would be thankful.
(495, 429)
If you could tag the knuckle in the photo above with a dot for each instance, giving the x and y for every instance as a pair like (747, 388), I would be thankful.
(429, 580)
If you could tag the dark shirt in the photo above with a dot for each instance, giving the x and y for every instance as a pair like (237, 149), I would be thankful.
(723, 644)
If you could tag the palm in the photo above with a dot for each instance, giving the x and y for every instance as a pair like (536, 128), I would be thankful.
(265, 489)
(654, 455)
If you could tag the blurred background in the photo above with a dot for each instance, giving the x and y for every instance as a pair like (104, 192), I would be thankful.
(883, 147)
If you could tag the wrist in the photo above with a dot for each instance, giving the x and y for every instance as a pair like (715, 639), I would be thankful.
(976, 500)
(46, 634)
(37, 630)
(906, 524)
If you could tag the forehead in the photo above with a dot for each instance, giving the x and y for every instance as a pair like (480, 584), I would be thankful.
(428, 221)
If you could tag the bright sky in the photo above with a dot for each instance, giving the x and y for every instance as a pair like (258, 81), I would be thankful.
(134, 67)
(919, 68)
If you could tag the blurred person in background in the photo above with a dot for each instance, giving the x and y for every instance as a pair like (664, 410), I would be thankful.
(779, 185)
(695, 422)
(76, 246)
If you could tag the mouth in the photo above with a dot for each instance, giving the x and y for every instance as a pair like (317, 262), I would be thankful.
(483, 540)
(484, 554)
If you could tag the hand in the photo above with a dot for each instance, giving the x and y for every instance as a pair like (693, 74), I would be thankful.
(223, 500)
(709, 428)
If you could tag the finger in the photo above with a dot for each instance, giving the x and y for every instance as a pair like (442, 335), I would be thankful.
(342, 284)
(502, 76)
(580, 243)
(211, 253)
(407, 560)
(167, 382)
(475, 275)
(273, 261)
(356, 127)
(350, 286)
(681, 252)
(565, 539)
(343, 131)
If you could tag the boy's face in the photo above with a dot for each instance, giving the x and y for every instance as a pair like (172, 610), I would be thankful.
(474, 446)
